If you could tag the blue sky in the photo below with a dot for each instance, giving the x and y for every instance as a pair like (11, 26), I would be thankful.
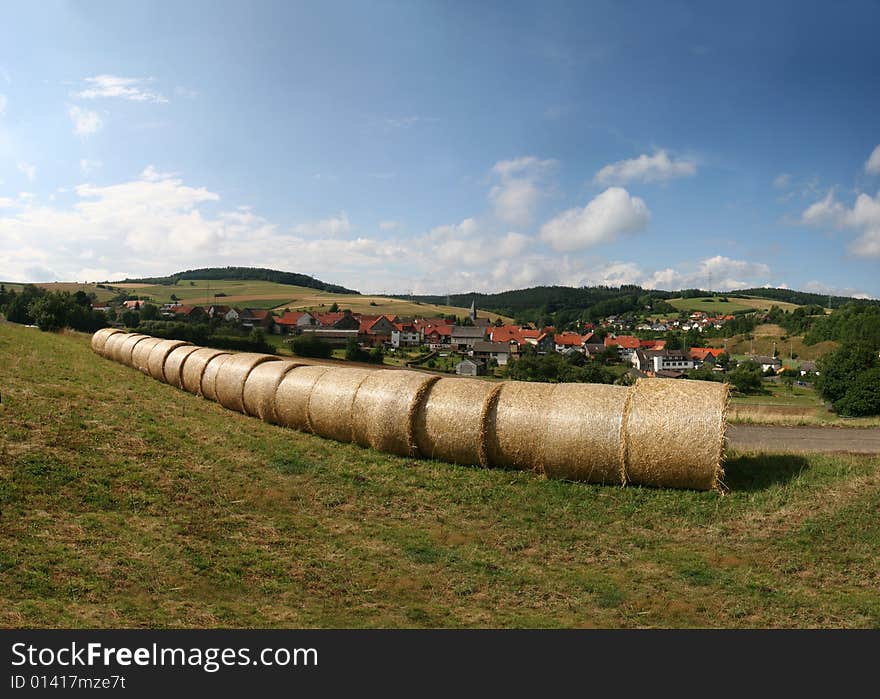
(444, 147)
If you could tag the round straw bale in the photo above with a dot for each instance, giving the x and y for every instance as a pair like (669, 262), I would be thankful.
(100, 337)
(230, 381)
(292, 395)
(515, 425)
(209, 376)
(174, 362)
(140, 355)
(450, 422)
(194, 368)
(258, 397)
(674, 432)
(122, 351)
(112, 343)
(583, 438)
(384, 408)
(159, 355)
(331, 402)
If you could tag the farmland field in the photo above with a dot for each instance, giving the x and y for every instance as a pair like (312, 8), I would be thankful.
(265, 294)
(713, 305)
(128, 503)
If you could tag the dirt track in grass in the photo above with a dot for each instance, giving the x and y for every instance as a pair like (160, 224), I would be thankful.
(796, 440)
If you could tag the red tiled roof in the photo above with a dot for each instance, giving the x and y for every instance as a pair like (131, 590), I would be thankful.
(289, 317)
(625, 341)
(513, 333)
(443, 330)
(569, 339)
(652, 344)
(702, 352)
(255, 313)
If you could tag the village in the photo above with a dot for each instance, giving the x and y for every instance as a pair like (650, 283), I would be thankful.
(475, 346)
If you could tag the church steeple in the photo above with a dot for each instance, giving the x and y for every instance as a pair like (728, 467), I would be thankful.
(473, 313)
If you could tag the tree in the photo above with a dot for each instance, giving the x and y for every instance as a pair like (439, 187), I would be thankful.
(746, 378)
(839, 369)
(334, 307)
(149, 311)
(131, 319)
(863, 395)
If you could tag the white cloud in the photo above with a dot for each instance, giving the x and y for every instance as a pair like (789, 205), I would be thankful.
(85, 121)
(872, 164)
(3, 103)
(332, 227)
(514, 199)
(134, 89)
(782, 181)
(29, 170)
(818, 287)
(610, 214)
(863, 217)
(658, 167)
(389, 225)
(87, 166)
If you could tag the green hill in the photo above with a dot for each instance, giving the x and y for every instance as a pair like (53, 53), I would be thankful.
(243, 273)
(128, 503)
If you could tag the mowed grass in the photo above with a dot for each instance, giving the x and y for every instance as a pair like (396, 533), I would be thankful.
(127, 503)
(712, 304)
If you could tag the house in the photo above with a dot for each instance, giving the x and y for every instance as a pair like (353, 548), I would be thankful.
(808, 368)
(499, 351)
(438, 336)
(670, 360)
(338, 320)
(376, 330)
(293, 322)
(514, 333)
(464, 336)
(564, 341)
(405, 335)
(545, 342)
(625, 344)
(470, 367)
(222, 312)
(700, 354)
(256, 318)
(766, 362)
(593, 349)
(190, 313)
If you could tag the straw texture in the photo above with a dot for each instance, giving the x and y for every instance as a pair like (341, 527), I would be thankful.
(174, 363)
(258, 397)
(112, 342)
(449, 423)
(158, 355)
(101, 337)
(231, 379)
(292, 396)
(515, 425)
(582, 438)
(675, 433)
(209, 376)
(122, 351)
(140, 355)
(194, 368)
(331, 403)
(384, 409)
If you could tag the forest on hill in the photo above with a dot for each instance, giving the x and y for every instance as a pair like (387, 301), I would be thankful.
(250, 273)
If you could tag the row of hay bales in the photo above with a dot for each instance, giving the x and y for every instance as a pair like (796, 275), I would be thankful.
(657, 432)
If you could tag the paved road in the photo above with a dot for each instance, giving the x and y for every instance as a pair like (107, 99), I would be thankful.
(804, 439)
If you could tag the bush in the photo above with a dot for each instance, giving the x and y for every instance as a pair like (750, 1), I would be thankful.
(838, 370)
(746, 378)
(862, 397)
(308, 345)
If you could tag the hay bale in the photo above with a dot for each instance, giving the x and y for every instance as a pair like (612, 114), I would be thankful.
(515, 425)
(292, 395)
(101, 337)
(194, 368)
(122, 351)
(260, 386)
(674, 433)
(140, 355)
(230, 381)
(174, 363)
(209, 376)
(583, 438)
(450, 422)
(384, 409)
(332, 400)
(112, 342)
(159, 355)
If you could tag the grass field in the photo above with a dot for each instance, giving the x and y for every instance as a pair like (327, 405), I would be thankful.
(713, 305)
(126, 502)
(264, 294)
(800, 405)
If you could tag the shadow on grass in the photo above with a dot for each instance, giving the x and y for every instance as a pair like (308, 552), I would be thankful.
(758, 472)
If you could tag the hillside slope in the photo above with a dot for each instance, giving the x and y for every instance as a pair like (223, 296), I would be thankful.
(126, 502)
(243, 273)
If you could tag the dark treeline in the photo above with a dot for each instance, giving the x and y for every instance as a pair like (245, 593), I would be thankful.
(214, 334)
(803, 298)
(51, 310)
(249, 273)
